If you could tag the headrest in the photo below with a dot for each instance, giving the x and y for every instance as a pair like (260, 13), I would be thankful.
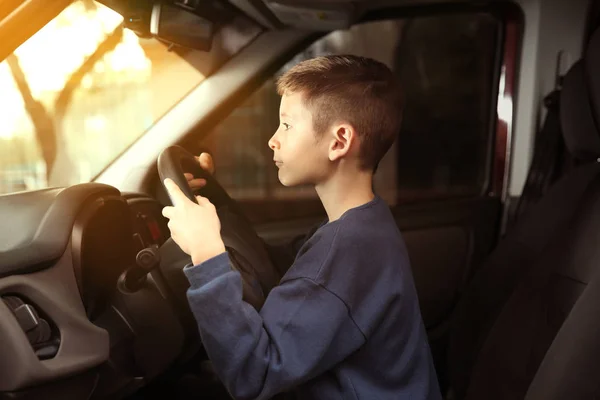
(580, 105)
(576, 116)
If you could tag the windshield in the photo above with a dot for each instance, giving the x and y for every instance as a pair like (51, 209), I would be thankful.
(83, 89)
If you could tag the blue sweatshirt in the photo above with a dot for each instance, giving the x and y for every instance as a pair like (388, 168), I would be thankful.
(344, 322)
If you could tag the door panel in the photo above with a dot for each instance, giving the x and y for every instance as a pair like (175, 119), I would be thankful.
(446, 243)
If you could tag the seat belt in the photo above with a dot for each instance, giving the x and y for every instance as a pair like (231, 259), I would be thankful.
(549, 150)
(546, 162)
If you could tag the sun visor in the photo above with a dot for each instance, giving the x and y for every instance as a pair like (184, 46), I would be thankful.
(320, 16)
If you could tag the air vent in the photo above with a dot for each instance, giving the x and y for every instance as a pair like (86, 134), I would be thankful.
(43, 338)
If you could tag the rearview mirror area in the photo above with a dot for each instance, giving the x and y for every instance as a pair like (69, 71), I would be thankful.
(178, 25)
(182, 23)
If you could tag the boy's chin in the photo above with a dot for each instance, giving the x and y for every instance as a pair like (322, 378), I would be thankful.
(289, 181)
(285, 182)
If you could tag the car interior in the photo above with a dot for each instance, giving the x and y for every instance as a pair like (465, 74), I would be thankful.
(493, 181)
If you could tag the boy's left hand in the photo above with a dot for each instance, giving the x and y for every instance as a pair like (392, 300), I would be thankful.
(194, 227)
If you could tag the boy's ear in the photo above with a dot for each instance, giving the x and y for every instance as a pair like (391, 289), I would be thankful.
(342, 141)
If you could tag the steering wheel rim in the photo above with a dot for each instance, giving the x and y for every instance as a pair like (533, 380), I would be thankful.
(174, 161)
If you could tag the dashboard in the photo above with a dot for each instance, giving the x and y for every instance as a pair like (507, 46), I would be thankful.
(84, 313)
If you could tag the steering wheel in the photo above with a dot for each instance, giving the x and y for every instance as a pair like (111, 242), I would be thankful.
(247, 251)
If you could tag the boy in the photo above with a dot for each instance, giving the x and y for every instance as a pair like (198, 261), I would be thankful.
(344, 322)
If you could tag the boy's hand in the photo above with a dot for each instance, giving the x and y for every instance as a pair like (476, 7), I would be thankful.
(206, 163)
(194, 227)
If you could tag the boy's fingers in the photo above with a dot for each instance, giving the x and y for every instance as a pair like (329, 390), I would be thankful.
(197, 183)
(202, 200)
(167, 212)
(194, 183)
(206, 162)
(175, 193)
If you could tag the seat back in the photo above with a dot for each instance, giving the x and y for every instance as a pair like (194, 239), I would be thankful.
(514, 308)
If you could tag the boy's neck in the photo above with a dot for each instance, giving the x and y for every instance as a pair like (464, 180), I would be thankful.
(341, 192)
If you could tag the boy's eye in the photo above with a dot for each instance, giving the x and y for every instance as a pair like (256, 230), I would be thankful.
(286, 126)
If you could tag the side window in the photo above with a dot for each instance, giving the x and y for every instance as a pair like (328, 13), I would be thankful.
(446, 66)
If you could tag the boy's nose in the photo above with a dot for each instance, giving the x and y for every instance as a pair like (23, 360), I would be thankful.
(273, 142)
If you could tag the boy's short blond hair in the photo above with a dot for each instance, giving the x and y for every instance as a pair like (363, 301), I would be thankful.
(357, 90)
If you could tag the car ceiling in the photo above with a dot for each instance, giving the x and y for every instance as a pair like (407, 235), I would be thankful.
(273, 13)
(20, 19)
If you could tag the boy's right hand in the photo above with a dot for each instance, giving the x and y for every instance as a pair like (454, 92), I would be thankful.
(206, 163)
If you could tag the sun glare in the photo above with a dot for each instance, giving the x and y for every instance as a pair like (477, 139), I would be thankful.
(52, 55)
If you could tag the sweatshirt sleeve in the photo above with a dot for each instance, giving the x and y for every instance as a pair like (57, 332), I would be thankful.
(302, 330)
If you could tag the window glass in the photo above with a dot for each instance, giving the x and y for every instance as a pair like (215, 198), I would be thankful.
(82, 89)
(446, 66)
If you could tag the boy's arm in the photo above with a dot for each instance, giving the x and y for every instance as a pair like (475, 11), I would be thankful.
(302, 330)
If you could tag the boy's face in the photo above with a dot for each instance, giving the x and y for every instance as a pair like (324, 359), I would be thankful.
(299, 155)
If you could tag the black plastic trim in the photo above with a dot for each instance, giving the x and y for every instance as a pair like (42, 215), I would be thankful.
(83, 345)
(40, 224)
